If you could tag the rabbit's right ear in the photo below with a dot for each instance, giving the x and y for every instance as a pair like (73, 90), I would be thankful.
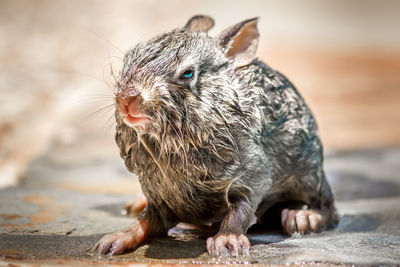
(199, 23)
(240, 41)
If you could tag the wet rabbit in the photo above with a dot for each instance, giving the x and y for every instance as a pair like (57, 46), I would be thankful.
(217, 138)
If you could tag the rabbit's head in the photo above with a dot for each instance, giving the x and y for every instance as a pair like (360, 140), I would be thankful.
(183, 82)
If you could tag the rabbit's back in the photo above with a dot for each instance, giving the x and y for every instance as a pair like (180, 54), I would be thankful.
(280, 120)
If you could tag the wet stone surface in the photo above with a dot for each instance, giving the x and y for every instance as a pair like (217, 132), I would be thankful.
(60, 210)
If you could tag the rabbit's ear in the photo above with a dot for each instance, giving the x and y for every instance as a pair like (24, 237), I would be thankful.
(240, 41)
(199, 23)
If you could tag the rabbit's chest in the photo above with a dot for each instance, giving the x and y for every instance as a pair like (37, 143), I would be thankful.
(189, 199)
(186, 189)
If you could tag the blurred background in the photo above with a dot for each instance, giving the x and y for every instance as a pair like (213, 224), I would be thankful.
(56, 58)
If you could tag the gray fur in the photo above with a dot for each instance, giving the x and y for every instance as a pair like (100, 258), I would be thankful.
(234, 138)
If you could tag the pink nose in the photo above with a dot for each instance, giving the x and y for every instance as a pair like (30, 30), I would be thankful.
(129, 104)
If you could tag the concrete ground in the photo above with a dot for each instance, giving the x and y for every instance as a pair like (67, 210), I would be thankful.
(69, 199)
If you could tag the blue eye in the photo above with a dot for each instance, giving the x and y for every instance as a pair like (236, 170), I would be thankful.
(188, 74)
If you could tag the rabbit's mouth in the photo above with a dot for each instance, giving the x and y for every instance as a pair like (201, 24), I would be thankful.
(130, 111)
(137, 120)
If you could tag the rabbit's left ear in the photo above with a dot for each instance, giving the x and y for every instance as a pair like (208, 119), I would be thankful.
(240, 41)
(199, 23)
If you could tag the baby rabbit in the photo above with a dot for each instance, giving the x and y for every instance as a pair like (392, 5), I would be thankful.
(217, 138)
